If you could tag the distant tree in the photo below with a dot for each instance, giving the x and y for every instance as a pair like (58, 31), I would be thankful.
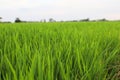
(85, 19)
(17, 20)
(103, 19)
(0, 18)
(43, 20)
(51, 20)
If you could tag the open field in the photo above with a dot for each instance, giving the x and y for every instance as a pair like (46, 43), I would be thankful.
(60, 51)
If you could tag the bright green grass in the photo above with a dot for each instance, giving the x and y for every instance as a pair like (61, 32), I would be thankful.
(60, 51)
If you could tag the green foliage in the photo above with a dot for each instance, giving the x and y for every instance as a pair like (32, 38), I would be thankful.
(17, 20)
(60, 51)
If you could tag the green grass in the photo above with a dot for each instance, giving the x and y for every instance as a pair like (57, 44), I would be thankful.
(60, 51)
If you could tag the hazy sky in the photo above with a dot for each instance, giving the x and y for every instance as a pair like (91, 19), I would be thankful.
(59, 9)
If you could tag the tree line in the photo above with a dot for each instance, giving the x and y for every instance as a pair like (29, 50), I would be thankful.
(18, 20)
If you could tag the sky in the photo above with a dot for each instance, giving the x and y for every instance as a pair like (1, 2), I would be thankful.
(35, 10)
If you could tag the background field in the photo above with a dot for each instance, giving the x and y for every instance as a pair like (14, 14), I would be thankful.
(60, 51)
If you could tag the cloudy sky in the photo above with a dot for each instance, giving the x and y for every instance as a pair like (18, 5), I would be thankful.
(59, 9)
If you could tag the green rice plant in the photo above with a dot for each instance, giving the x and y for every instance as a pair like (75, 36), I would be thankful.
(60, 51)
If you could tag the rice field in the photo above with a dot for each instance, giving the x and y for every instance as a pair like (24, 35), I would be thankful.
(60, 51)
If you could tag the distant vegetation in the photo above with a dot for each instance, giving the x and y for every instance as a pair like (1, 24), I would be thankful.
(18, 20)
(0, 18)
(52, 20)
(85, 19)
